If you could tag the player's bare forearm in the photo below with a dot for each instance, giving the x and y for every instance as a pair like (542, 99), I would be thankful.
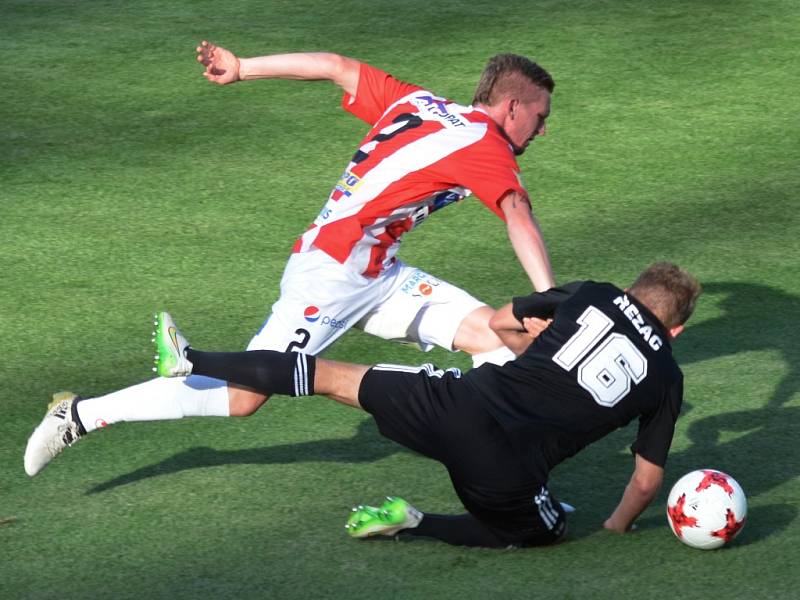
(304, 66)
(224, 67)
(638, 495)
(510, 330)
(633, 503)
(527, 241)
(516, 341)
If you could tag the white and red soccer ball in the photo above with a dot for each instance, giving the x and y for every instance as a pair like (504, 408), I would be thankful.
(706, 509)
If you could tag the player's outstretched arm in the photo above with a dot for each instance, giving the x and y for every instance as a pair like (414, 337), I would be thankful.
(517, 336)
(639, 492)
(224, 67)
(527, 241)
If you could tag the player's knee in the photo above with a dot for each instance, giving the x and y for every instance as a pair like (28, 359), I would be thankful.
(244, 402)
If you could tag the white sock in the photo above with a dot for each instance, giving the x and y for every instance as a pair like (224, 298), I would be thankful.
(498, 356)
(157, 399)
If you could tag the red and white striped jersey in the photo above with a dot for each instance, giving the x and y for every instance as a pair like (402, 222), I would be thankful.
(422, 153)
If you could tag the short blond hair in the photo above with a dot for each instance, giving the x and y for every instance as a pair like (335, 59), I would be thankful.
(507, 74)
(668, 291)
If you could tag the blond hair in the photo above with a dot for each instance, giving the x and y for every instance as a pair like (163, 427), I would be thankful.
(510, 74)
(668, 291)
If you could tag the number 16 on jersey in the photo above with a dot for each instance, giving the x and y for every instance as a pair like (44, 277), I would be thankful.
(607, 365)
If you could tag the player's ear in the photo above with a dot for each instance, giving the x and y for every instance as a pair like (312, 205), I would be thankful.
(675, 331)
(513, 105)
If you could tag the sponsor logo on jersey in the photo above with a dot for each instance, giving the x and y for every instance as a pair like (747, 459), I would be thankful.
(311, 314)
(347, 184)
(425, 289)
(438, 201)
(445, 198)
(419, 215)
(436, 107)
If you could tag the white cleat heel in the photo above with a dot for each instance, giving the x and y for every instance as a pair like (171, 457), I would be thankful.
(57, 430)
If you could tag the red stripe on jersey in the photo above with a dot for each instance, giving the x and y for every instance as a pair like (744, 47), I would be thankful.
(376, 91)
(422, 153)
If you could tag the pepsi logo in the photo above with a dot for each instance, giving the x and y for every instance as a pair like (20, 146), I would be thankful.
(311, 314)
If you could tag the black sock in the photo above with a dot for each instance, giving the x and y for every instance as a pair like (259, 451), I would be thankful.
(459, 530)
(75, 417)
(287, 373)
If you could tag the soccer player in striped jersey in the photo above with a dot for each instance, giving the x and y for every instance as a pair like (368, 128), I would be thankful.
(422, 153)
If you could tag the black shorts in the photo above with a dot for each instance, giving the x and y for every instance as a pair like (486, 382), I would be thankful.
(437, 414)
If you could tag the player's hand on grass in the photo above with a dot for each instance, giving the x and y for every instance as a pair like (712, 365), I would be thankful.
(222, 66)
(613, 525)
(535, 326)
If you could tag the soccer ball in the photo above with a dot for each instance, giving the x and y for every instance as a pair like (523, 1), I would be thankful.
(706, 509)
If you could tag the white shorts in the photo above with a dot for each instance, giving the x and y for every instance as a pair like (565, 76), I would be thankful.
(321, 299)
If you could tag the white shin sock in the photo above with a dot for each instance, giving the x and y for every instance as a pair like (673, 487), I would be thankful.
(157, 399)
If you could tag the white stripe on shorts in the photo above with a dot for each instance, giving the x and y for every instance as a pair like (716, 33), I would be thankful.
(430, 370)
(548, 514)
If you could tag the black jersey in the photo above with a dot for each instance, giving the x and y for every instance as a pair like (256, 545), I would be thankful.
(604, 360)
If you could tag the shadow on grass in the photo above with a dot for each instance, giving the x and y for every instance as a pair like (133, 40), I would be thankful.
(760, 450)
(365, 446)
(757, 447)
(755, 317)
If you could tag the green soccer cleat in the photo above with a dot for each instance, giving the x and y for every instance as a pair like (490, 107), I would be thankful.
(170, 346)
(394, 515)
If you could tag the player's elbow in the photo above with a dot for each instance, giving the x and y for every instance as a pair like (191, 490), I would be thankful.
(496, 323)
(334, 63)
(503, 321)
(516, 208)
(343, 71)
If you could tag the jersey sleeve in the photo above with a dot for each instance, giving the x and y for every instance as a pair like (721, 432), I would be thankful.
(377, 91)
(543, 304)
(490, 171)
(656, 429)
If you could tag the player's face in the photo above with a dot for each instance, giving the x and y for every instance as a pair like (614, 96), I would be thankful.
(527, 119)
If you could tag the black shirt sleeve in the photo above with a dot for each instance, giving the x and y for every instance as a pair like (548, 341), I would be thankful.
(657, 428)
(543, 304)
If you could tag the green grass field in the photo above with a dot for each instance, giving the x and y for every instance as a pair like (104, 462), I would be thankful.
(129, 184)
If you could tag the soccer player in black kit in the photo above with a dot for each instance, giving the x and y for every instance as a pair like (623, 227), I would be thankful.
(604, 360)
